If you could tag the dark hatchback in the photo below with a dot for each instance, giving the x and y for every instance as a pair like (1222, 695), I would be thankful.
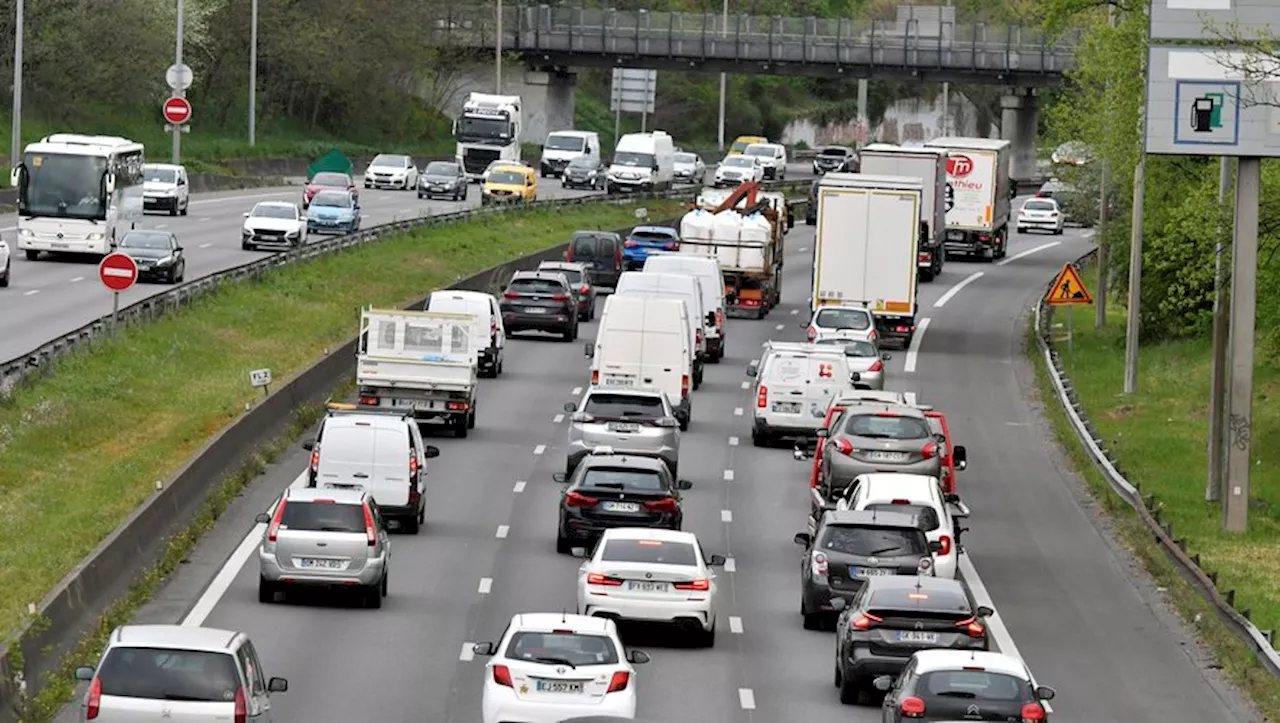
(540, 301)
(938, 686)
(579, 276)
(442, 179)
(157, 254)
(851, 546)
(608, 490)
(602, 251)
(892, 617)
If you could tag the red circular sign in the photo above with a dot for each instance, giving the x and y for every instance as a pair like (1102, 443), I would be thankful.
(118, 272)
(959, 166)
(177, 110)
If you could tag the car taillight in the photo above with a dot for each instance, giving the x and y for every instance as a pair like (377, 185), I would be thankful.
(502, 675)
(585, 289)
(242, 707)
(413, 465)
(560, 297)
(924, 256)
(671, 246)
(911, 707)
(762, 397)
(719, 317)
(630, 244)
(701, 583)
(876, 366)
(812, 334)
(984, 238)
(595, 377)
(1032, 713)
(929, 451)
(274, 528)
(596, 578)
(946, 545)
(493, 328)
(845, 447)
(617, 256)
(619, 681)
(684, 385)
(370, 530)
(510, 295)
(865, 621)
(315, 461)
(666, 504)
(94, 703)
(972, 627)
(818, 562)
(574, 499)
(457, 406)
(369, 401)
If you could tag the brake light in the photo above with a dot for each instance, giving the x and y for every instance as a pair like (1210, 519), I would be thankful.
(1032, 713)
(457, 406)
(585, 289)
(845, 447)
(762, 397)
(502, 675)
(619, 682)
(912, 707)
(560, 297)
(818, 563)
(315, 459)
(930, 450)
(576, 499)
(924, 256)
(684, 385)
(946, 545)
(630, 244)
(701, 583)
(876, 366)
(671, 246)
(972, 627)
(493, 328)
(94, 704)
(274, 528)
(369, 401)
(719, 317)
(984, 238)
(242, 707)
(596, 578)
(666, 504)
(813, 334)
(617, 256)
(510, 295)
(370, 530)
(900, 502)
(865, 621)
(413, 465)
(595, 377)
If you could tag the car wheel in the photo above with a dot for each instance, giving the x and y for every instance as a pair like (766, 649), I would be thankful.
(460, 427)
(684, 423)
(32, 254)
(410, 525)
(850, 691)
(471, 418)
(420, 195)
(373, 596)
(568, 334)
(812, 621)
(266, 591)
(386, 585)
(760, 438)
(564, 545)
(186, 207)
(708, 637)
(4, 280)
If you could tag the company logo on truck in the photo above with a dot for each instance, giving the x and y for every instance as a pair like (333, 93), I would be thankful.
(959, 166)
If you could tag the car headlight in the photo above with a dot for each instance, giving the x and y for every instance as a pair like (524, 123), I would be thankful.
(93, 237)
(165, 261)
(293, 234)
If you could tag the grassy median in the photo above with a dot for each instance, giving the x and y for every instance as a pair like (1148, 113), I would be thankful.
(83, 447)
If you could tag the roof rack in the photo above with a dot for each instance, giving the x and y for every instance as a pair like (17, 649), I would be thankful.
(346, 408)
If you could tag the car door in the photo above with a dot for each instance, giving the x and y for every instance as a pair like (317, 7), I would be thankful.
(499, 331)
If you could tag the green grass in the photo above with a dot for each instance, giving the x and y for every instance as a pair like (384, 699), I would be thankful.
(81, 448)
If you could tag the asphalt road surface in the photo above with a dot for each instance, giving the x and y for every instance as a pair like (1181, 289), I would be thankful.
(49, 298)
(1067, 601)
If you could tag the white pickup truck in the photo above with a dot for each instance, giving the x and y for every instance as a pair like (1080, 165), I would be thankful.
(418, 361)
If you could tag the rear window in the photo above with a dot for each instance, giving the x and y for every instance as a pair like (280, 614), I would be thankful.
(906, 598)
(640, 480)
(163, 674)
(322, 517)
(630, 406)
(536, 286)
(833, 152)
(974, 684)
(875, 426)
(652, 236)
(928, 516)
(856, 319)
(873, 541)
(799, 369)
(658, 552)
(573, 275)
(553, 648)
(1040, 206)
(587, 245)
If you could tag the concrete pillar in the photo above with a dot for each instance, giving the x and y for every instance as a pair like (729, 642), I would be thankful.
(548, 103)
(1020, 118)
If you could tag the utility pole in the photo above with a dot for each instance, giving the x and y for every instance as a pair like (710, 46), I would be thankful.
(497, 51)
(15, 143)
(1217, 444)
(724, 78)
(1134, 317)
(1104, 252)
(253, 74)
(177, 61)
(1244, 282)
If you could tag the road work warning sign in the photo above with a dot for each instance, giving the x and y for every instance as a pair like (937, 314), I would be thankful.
(1068, 289)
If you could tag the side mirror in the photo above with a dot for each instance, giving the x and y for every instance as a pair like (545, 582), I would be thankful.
(637, 657)
(277, 685)
(580, 552)
(984, 612)
(885, 356)
(838, 604)
(589, 349)
(570, 407)
(431, 452)
(262, 518)
(753, 369)
(803, 539)
(177, 248)
(882, 683)
(15, 176)
(935, 546)
(952, 498)
(246, 214)
(683, 485)
(309, 445)
(484, 649)
(84, 672)
(960, 456)
(855, 377)
(824, 433)
(1044, 692)
(559, 477)
(716, 561)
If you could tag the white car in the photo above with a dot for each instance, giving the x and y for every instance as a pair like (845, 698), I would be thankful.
(6, 264)
(274, 224)
(843, 322)
(651, 575)
(736, 169)
(920, 495)
(165, 188)
(773, 159)
(1042, 214)
(390, 170)
(549, 667)
(689, 167)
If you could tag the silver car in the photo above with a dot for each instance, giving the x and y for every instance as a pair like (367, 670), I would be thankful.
(866, 361)
(331, 536)
(689, 168)
(877, 438)
(635, 421)
(184, 674)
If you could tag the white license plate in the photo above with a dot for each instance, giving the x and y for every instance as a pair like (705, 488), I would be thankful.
(871, 571)
(623, 427)
(619, 381)
(620, 506)
(411, 404)
(955, 235)
(787, 407)
(879, 456)
(639, 586)
(534, 310)
(917, 636)
(319, 563)
(559, 686)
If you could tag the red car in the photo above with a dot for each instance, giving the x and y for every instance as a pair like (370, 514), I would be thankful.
(328, 180)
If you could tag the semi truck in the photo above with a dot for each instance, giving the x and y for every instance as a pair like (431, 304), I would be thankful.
(866, 249)
(744, 231)
(487, 130)
(980, 194)
(421, 362)
(930, 166)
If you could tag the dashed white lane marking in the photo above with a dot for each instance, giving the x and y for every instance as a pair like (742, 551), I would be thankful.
(163, 225)
(737, 411)
(468, 653)
(735, 624)
(911, 398)
(730, 565)
(728, 475)
(951, 293)
(576, 391)
(914, 350)
(502, 532)
(733, 441)
(779, 327)
(746, 385)
(77, 279)
(558, 418)
(747, 698)
(540, 449)
(205, 246)
(795, 311)
(486, 584)
(519, 487)
(32, 292)
(1027, 253)
(726, 515)
(205, 218)
(802, 249)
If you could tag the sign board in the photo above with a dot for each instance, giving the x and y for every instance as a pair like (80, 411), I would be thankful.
(260, 377)
(1068, 289)
(118, 272)
(179, 77)
(1210, 20)
(177, 110)
(1200, 102)
(633, 90)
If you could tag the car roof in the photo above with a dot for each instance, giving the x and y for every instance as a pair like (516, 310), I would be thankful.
(279, 204)
(351, 418)
(641, 391)
(868, 396)
(649, 533)
(930, 661)
(871, 518)
(656, 229)
(891, 485)
(547, 622)
(173, 636)
(652, 464)
(569, 265)
(462, 294)
(343, 495)
(898, 410)
(538, 275)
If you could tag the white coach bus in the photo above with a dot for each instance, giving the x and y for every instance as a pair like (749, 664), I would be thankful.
(77, 194)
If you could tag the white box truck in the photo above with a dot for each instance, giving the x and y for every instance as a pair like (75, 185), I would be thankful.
(930, 166)
(487, 130)
(643, 162)
(866, 247)
(979, 196)
(423, 362)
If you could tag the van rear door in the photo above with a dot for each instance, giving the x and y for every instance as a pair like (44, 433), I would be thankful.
(373, 456)
(390, 465)
(801, 387)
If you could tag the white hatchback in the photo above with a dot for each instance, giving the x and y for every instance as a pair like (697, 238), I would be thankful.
(653, 576)
(549, 667)
(845, 322)
(1041, 214)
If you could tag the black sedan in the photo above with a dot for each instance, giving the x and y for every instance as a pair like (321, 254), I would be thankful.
(609, 490)
(157, 254)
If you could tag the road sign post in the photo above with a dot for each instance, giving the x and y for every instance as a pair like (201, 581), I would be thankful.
(1069, 290)
(118, 272)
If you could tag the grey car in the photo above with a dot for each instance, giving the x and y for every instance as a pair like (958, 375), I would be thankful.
(689, 168)
(442, 179)
(328, 537)
(865, 359)
(578, 275)
(877, 438)
(635, 421)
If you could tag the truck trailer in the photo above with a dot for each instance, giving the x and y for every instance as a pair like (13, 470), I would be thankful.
(980, 194)
(930, 166)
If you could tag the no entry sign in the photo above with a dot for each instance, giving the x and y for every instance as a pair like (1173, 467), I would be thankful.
(118, 272)
(177, 110)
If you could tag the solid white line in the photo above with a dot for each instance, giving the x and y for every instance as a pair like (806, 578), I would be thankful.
(32, 292)
(77, 279)
(120, 273)
(486, 584)
(1004, 641)
(956, 289)
(576, 391)
(205, 246)
(468, 653)
(519, 487)
(914, 350)
(540, 449)
(737, 411)
(726, 515)
(730, 565)
(733, 441)
(1027, 253)
(502, 531)
(747, 698)
(746, 385)
(163, 225)
(558, 418)
(204, 218)
(735, 625)
(728, 475)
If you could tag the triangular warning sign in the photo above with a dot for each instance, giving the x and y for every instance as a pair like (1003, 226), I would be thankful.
(1068, 289)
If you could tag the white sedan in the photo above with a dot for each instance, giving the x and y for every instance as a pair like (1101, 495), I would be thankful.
(391, 170)
(274, 224)
(737, 169)
(549, 667)
(651, 575)
(919, 495)
(6, 263)
(1042, 214)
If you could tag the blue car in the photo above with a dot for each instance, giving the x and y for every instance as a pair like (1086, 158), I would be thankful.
(333, 212)
(645, 240)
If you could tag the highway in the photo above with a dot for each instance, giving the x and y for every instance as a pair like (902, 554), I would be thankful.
(1072, 605)
(49, 298)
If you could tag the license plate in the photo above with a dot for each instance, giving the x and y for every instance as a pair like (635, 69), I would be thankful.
(787, 407)
(879, 456)
(535, 310)
(917, 636)
(619, 381)
(620, 506)
(559, 686)
(411, 404)
(636, 586)
(623, 427)
(955, 235)
(871, 571)
(320, 563)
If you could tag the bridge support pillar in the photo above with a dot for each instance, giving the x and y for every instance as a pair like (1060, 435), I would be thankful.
(548, 103)
(1019, 124)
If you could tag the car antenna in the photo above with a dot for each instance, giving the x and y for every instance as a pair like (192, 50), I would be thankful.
(564, 614)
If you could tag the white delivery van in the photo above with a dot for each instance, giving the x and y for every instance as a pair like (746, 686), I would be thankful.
(795, 384)
(488, 335)
(644, 341)
(564, 146)
(674, 286)
(706, 269)
(642, 162)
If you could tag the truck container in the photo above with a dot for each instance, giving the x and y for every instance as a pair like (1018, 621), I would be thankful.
(930, 166)
(744, 231)
(979, 196)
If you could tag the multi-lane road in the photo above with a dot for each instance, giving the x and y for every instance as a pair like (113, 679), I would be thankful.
(1071, 604)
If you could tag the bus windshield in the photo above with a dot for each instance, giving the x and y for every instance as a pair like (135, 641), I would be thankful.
(64, 186)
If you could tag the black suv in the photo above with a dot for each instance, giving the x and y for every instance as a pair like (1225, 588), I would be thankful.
(540, 301)
(613, 490)
(851, 546)
(602, 251)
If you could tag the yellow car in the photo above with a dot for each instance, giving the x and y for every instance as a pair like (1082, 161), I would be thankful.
(741, 142)
(510, 184)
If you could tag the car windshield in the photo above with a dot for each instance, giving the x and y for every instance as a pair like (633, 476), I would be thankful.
(613, 478)
(833, 153)
(888, 426)
(928, 516)
(442, 168)
(583, 162)
(336, 199)
(624, 406)
(658, 552)
(145, 240)
(853, 347)
(873, 541)
(322, 517)
(856, 319)
(740, 161)
(160, 175)
(974, 685)
(633, 160)
(564, 143)
(573, 275)
(273, 211)
(1040, 206)
(686, 159)
(535, 286)
(760, 151)
(392, 161)
(339, 180)
(165, 674)
(508, 177)
(576, 649)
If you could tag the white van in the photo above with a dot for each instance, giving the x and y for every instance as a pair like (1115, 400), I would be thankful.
(643, 341)
(772, 157)
(795, 384)
(674, 286)
(643, 162)
(564, 146)
(706, 269)
(488, 335)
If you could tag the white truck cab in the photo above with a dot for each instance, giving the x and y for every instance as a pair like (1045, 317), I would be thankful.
(645, 342)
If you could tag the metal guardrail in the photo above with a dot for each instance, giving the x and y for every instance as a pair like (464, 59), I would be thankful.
(1261, 642)
(15, 371)
(604, 36)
